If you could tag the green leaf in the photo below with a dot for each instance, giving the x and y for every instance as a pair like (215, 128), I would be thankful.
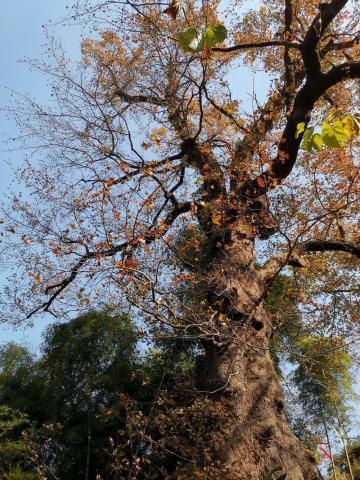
(351, 126)
(306, 143)
(334, 135)
(317, 141)
(300, 128)
(191, 40)
(341, 133)
(215, 34)
(328, 136)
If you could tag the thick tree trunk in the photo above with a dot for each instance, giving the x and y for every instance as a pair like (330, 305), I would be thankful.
(256, 436)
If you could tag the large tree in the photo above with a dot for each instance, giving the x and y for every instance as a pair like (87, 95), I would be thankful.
(152, 184)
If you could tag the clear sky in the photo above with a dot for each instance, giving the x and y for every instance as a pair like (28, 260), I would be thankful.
(21, 36)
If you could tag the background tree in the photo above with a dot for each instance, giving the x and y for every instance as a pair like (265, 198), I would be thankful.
(91, 363)
(342, 462)
(97, 394)
(146, 140)
(141, 406)
(15, 463)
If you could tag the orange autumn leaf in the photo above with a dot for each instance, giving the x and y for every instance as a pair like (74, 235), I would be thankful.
(216, 218)
(128, 265)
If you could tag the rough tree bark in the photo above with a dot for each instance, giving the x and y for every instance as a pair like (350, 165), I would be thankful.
(240, 373)
(259, 437)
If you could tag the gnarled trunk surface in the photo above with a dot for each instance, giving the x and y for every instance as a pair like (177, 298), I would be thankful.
(256, 437)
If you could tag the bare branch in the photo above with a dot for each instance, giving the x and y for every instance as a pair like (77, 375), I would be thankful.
(294, 257)
(151, 235)
(246, 46)
(352, 248)
(328, 12)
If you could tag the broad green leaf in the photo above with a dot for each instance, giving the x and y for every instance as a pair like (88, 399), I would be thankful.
(334, 134)
(329, 136)
(300, 128)
(306, 143)
(215, 34)
(317, 141)
(340, 132)
(191, 40)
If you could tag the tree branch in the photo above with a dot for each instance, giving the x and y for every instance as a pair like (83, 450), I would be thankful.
(290, 83)
(151, 235)
(331, 45)
(294, 258)
(352, 248)
(328, 12)
(317, 83)
(289, 145)
(132, 99)
(246, 46)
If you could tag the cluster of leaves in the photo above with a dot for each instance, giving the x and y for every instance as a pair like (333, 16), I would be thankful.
(14, 458)
(193, 40)
(334, 132)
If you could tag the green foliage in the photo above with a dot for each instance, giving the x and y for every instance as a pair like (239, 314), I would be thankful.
(215, 34)
(281, 304)
(323, 363)
(93, 380)
(335, 132)
(16, 473)
(323, 374)
(83, 355)
(14, 462)
(89, 361)
(342, 467)
(139, 408)
(192, 40)
(320, 378)
(22, 381)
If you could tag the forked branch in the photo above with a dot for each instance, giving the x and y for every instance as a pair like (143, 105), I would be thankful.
(295, 257)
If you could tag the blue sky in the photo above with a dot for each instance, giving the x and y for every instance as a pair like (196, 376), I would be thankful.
(21, 36)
